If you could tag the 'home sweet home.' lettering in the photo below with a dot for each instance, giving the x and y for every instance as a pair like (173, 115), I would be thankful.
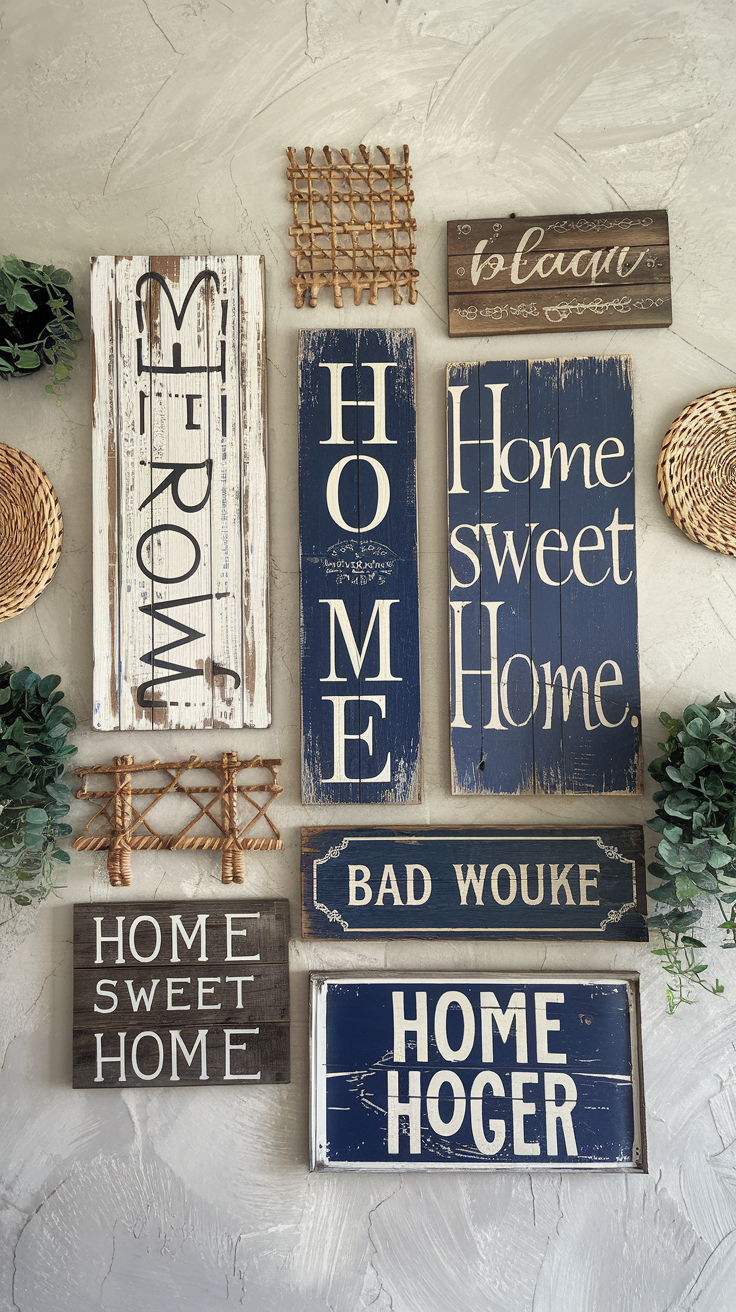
(545, 688)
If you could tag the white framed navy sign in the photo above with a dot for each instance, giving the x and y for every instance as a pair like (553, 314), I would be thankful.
(359, 587)
(537, 1071)
(544, 658)
(508, 881)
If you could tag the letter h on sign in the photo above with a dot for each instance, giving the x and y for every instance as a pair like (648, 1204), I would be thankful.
(545, 678)
(360, 605)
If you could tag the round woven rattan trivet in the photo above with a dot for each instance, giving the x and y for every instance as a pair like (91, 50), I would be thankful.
(30, 531)
(696, 475)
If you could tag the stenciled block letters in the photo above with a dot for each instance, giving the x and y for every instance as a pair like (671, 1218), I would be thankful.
(180, 506)
(543, 617)
(360, 624)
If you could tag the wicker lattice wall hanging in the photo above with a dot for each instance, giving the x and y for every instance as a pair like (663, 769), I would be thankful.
(696, 475)
(121, 827)
(30, 531)
(353, 225)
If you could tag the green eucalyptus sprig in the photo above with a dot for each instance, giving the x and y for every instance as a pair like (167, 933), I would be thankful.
(25, 288)
(696, 817)
(34, 755)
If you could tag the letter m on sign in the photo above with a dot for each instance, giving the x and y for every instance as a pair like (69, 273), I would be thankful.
(180, 502)
(359, 592)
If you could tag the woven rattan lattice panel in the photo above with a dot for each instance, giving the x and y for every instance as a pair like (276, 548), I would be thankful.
(121, 824)
(353, 225)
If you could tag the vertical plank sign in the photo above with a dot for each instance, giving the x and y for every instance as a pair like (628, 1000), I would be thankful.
(545, 681)
(180, 504)
(360, 604)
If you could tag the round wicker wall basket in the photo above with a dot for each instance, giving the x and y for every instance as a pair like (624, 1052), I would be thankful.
(696, 475)
(30, 531)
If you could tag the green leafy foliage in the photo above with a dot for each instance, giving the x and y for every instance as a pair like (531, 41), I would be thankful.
(696, 818)
(24, 289)
(34, 755)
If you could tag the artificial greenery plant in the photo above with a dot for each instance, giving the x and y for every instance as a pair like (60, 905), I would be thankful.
(34, 754)
(696, 817)
(37, 322)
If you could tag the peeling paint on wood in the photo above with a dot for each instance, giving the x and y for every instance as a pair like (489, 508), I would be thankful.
(543, 643)
(180, 507)
(445, 1072)
(359, 584)
(512, 881)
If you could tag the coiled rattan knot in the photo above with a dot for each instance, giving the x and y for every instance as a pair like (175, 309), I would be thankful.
(696, 475)
(30, 531)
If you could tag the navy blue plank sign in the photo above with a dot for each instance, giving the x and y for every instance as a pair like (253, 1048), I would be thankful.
(479, 882)
(543, 615)
(422, 1072)
(359, 587)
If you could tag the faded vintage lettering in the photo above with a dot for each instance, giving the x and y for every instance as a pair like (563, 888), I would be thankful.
(555, 273)
(545, 687)
(181, 545)
(172, 993)
(441, 1071)
(360, 641)
(431, 881)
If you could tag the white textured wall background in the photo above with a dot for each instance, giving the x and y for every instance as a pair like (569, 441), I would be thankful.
(148, 126)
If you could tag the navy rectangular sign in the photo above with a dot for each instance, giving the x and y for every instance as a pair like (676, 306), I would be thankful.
(544, 662)
(480, 882)
(359, 586)
(534, 1071)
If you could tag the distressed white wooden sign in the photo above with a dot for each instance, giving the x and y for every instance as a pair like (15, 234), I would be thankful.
(180, 499)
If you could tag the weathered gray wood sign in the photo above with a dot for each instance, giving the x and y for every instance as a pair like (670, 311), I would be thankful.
(544, 663)
(472, 1072)
(173, 993)
(180, 504)
(509, 881)
(558, 273)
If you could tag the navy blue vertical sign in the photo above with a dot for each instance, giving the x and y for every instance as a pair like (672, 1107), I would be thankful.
(359, 587)
(544, 664)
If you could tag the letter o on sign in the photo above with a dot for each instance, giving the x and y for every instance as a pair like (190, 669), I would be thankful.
(163, 578)
(383, 489)
(434, 1115)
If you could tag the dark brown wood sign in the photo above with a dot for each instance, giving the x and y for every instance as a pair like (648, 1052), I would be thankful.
(558, 273)
(174, 993)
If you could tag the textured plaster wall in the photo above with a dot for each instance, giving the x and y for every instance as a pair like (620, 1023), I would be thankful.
(147, 126)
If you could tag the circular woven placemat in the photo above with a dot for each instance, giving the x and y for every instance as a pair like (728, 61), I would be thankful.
(30, 531)
(696, 474)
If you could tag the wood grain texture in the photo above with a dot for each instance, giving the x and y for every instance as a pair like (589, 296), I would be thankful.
(221, 994)
(266, 922)
(149, 1054)
(510, 1049)
(558, 273)
(359, 587)
(450, 882)
(150, 977)
(544, 667)
(181, 540)
(562, 232)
